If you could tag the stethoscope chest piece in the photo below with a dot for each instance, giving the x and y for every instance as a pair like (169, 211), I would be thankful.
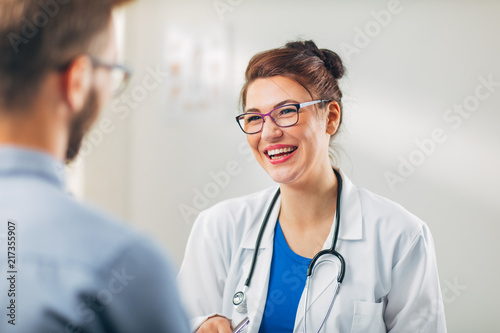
(240, 302)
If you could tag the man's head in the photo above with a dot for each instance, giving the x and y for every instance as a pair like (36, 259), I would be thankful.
(56, 51)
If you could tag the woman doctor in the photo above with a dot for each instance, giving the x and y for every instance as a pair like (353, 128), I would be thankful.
(292, 111)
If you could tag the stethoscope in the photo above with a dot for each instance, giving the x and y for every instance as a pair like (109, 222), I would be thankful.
(239, 298)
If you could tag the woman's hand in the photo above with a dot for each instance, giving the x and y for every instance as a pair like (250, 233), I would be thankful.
(216, 324)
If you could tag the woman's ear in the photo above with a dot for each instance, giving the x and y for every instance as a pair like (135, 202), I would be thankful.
(77, 81)
(333, 117)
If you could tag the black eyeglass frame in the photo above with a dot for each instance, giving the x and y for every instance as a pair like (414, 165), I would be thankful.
(263, 115)
(96, 62)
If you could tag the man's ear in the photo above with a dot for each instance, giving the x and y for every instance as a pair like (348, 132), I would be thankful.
(77, 82)
(333, 117)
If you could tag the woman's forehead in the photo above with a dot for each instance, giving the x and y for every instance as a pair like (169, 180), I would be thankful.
(267, 92)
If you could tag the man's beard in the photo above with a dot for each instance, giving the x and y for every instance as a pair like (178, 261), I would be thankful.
(81, 124)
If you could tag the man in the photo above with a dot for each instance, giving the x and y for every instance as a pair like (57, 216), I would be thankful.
(66, 267)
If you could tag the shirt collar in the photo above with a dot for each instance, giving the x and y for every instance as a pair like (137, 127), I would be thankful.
(24, 161)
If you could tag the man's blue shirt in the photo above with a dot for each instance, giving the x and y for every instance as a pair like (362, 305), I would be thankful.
(77, 269)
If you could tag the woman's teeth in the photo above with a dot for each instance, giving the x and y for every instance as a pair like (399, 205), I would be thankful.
(281, 152)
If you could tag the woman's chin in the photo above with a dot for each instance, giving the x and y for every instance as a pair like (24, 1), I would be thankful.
(282, 176)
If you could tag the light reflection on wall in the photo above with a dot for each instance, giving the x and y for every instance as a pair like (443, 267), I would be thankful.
(197, 59)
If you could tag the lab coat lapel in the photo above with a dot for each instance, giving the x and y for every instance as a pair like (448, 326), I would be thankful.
(256, 215)
(257, 291)
(351, 216)
(324, 279)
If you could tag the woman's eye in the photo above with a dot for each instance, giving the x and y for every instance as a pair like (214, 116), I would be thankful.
(253, 119)
(285, 112)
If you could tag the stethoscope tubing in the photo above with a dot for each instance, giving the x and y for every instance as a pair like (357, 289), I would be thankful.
(332, 250)
(259, 237)
(241, 295)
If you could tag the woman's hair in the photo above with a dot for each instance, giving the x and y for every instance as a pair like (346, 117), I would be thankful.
(317, 70)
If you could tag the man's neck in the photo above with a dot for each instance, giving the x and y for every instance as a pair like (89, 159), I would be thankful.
(33, 131)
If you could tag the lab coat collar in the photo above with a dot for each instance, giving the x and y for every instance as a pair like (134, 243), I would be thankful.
(267, 239)
(351, 218)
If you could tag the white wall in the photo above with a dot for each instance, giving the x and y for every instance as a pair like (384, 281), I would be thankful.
(397, 90)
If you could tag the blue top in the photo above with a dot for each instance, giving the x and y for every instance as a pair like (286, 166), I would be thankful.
(286, 284)
(74, 268)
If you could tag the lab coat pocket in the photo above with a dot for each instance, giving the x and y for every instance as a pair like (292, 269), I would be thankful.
(368, 317)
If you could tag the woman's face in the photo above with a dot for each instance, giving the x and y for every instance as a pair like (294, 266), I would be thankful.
(307, 141)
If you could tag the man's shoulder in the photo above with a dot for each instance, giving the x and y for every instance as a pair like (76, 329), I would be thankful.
(82, 234)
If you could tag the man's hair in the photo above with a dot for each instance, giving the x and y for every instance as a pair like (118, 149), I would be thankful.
(39, 36)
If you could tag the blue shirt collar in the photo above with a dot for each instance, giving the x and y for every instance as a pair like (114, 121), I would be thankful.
(24, 161)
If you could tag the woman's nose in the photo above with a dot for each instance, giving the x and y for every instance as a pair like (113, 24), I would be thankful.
(270, 130)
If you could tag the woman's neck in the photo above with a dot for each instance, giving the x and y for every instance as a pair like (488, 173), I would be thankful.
(312, 203)
(307, 212)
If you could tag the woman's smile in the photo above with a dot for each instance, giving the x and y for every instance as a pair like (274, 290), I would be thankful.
(279, 153)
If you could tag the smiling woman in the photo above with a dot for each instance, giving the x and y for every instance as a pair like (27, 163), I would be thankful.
(275, 256)
(316, 71)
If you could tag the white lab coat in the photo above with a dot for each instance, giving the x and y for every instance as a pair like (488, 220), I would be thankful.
(391, 281)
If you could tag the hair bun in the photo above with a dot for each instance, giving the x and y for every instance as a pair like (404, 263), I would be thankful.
(331, 60)
(333, 63)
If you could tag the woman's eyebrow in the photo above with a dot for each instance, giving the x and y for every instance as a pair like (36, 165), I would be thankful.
(286, 101)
